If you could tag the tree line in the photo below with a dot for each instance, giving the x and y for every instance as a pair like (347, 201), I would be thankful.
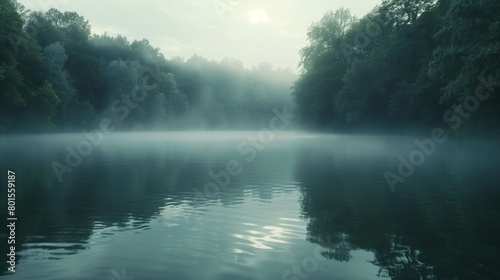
(406, 65)
(56, 76)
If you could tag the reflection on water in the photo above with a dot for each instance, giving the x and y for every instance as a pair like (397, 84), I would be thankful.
(131, 204)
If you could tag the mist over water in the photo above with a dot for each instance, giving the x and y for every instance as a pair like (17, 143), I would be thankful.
(313, 201)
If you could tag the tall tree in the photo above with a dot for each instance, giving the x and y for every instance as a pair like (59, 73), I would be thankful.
(469, 51)
(323, 66)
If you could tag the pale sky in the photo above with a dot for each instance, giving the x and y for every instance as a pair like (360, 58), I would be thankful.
(252, 31)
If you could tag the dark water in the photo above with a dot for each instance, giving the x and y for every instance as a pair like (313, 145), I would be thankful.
(304, 207)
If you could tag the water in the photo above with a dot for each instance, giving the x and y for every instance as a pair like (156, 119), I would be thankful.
(302, 206)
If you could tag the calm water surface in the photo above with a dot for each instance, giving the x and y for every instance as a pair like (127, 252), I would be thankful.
(303, 206)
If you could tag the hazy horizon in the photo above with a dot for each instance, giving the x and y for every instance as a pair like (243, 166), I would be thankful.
(250, 31)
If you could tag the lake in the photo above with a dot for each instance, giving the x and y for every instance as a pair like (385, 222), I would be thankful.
(244, 205)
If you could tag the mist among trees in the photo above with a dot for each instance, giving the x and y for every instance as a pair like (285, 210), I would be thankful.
(55, 76)
(406, 65)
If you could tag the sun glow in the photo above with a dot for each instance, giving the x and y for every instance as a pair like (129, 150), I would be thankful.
(258, 16)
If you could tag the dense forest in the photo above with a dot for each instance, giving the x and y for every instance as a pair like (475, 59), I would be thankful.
(408, 64)
(56, 76)
(405, 66)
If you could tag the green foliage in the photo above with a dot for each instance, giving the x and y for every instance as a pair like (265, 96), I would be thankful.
(359, 101)
(54, 58)
(402, 65)
(404, 12)
(407, 63)
(44, 107)
(54, 76)
(323, 65)
(47, 100)
(12, 92)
